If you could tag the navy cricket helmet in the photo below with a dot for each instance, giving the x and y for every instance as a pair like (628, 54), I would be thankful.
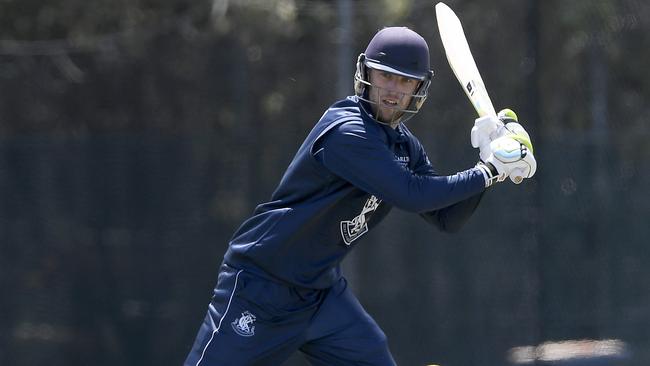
(400, 51)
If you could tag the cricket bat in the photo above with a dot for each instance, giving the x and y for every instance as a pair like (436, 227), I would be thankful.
(461, 60)
(463, 65)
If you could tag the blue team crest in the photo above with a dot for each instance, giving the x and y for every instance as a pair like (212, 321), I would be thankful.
(244, 324)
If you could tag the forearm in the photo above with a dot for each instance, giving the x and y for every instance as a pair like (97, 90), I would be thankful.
(444, 193)
(452, 218)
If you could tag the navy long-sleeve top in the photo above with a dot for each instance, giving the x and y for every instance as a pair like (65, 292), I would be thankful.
(347, 175)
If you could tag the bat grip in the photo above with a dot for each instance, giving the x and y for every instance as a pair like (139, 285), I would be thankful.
(517, 175)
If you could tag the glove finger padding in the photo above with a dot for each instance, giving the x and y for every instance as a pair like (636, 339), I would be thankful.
(507, 149)
(520, 134)
(527, 168)
(512, 158)
(484, 130)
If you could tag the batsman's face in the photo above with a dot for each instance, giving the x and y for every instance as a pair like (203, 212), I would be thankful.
(390, 94)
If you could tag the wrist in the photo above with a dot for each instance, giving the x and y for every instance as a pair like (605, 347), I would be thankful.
(489, 171)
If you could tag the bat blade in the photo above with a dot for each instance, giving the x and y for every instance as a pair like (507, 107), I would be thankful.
(461, 60)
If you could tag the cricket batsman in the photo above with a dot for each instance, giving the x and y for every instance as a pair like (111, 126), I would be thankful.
(280, 288)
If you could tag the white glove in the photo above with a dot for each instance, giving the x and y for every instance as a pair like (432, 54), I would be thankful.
(508, 157)
(517, 131)
(484, 131)
(489, 128)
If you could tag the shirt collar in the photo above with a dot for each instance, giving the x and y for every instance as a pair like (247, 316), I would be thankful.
(395, 135)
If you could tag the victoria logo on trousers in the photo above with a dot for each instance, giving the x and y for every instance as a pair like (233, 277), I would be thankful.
(244, 324)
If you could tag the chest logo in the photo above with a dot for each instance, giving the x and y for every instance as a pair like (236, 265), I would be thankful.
(353, 229)
(404, 160)
(244, 324)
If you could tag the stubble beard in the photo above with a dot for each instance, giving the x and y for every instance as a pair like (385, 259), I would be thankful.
(385, 114)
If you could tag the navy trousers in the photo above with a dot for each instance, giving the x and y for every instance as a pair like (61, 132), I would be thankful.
(254, 321)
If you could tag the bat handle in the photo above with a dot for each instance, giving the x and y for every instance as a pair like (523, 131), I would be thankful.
(517, 175)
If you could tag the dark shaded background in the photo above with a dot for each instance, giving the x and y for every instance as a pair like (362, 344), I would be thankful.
(135, 136)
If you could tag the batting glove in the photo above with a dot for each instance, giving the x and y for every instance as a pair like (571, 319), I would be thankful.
(509, 157)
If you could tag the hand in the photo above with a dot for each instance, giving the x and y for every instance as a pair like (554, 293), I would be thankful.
(512, 127)
(509, 157)
(484, 131)
(489, 128)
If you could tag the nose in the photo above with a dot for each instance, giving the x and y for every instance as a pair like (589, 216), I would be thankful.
(391, 87)
(391, 83)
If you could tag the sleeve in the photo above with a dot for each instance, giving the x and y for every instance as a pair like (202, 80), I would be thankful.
(364, 160)
(450, 218)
